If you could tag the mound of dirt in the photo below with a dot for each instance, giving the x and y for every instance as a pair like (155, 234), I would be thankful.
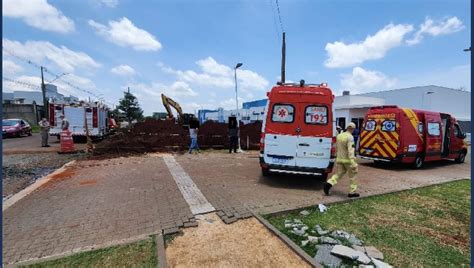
(167, 136)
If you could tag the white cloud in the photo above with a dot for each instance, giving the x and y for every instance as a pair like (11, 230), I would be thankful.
(38, 14)
(123, 70)
(66, 59)
(10, 67)
(108, 3)
(34, 81)
(373, 47)
(218, 75)
(230, 103)
(360, 81)
(430, 27)
(124, 33)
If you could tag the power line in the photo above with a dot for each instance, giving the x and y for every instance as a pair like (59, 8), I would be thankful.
(278, 34)
(50, 72)
(279, 16)
(23, 83)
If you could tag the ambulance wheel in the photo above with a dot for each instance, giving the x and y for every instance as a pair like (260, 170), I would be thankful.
(265, 172)
(461, 157)
(419, 161)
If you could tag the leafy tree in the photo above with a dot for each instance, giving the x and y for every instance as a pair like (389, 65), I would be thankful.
(129, 109)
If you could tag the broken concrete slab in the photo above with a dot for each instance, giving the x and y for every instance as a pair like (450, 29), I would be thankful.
(313, 239)
(304, 213)
(380, 264)
(340, 234)
(298, 232)
(297, 221)
(320, 230)
(328, 240)
(350, 253)
(288, 221)
(304, 243)
(324, 257)
(354, 240)
(366, 266)
(288, 225)
(373, 252)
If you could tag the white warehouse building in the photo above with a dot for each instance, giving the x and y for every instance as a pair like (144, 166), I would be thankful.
(352, 108)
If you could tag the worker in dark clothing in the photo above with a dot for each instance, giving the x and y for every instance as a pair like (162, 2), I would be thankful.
(44, 125)
(233, 134)
(64, 123)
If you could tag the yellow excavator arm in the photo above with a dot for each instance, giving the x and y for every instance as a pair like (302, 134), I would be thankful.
(167, 102)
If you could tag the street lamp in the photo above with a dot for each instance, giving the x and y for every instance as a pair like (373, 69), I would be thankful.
(237, 104)
(467, 49)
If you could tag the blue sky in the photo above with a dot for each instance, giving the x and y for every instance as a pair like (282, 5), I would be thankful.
(187, 49)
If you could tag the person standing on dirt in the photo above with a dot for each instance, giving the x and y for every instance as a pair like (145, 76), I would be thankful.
(193, 134)
(345, 161)
(64, 123)
(233, 134)
(44, 125)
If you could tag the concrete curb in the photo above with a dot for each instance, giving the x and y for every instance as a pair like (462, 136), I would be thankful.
(287, 241)
(28, 190)
(160, 248)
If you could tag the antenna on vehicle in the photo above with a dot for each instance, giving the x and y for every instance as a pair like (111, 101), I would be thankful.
(283, 58)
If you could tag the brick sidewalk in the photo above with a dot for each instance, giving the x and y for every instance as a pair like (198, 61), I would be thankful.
(235, 181)
(93, 203)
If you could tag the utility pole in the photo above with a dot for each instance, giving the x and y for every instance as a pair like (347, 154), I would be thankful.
(43, 90)
(283, 58)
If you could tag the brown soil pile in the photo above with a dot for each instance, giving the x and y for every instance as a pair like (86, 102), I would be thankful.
(166, 136)
(246, 243)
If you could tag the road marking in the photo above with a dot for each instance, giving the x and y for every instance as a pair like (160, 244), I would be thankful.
(196, 200)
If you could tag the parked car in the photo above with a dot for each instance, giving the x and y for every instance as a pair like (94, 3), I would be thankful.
(15, 128)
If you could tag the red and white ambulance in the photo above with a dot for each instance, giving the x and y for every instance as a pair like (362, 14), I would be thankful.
(394, 134)
(298, 130)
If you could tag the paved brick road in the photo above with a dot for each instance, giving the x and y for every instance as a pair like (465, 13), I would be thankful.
(234, 180)
(102, 201)
(91, 204)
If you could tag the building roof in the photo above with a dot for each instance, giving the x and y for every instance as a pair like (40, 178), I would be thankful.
(257, 103)
(417, 88)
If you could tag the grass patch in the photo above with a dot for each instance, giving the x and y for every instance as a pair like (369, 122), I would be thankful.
(35, 129)
(138, 254)
(422, 227)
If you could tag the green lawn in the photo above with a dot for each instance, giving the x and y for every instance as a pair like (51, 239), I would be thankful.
(427, 227)
(138, 254)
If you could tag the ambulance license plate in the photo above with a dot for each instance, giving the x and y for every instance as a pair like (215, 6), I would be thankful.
(279, 160)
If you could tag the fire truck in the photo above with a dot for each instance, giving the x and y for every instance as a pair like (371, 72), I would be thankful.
(94, 113)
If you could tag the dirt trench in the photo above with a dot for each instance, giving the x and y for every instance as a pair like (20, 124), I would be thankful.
(245, 243)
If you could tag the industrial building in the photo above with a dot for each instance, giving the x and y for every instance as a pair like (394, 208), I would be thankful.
(28, 97)
(352, 108)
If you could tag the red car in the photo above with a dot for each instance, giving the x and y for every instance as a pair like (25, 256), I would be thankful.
(15, 128)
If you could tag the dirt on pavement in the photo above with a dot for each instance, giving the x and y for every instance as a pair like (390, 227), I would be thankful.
(246, 243)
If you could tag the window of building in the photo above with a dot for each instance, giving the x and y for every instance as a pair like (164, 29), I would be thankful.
(283, 113)
(341, 121)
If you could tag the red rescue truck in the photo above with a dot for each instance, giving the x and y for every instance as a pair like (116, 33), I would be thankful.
(298, 130)
(394, 134)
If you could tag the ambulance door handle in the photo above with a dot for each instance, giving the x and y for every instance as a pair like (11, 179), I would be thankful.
(303, 144)
(298, 130)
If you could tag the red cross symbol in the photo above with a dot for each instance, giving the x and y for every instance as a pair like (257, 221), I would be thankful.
(282, 113)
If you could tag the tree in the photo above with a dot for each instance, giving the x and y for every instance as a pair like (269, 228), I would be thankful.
(129, 109)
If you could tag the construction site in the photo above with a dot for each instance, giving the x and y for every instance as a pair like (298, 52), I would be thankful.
(166, 165)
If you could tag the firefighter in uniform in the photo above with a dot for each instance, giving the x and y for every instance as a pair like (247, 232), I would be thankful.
(345, 161)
